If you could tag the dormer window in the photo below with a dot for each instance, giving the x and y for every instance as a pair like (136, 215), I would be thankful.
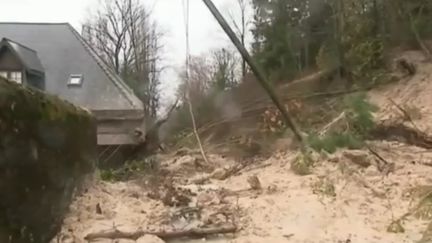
(75, 80)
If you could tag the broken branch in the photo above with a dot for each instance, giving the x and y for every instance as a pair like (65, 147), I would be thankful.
(401, 133)
(405, 113)
(219, 174)
(331, 124)
(372, 151)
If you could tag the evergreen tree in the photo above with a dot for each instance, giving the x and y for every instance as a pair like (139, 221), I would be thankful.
(288, 34)
(293, 35)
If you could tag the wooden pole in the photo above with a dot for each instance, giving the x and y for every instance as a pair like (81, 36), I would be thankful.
(255, 69)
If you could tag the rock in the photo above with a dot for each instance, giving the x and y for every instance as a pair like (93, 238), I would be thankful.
(358, 157)
(219, 174)
(48, 146)
(204, 198)
(254, 182)
(208, 198)
(150, 239)
(333, 158)
(272, 189)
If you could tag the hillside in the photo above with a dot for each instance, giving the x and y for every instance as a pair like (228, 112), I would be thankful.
(349, 197)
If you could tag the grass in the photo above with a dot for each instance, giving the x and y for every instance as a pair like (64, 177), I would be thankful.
(130, 170)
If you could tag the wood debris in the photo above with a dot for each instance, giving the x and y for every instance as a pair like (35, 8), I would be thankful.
(165, 235)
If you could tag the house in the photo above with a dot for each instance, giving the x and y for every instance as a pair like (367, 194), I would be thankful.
(56, 59)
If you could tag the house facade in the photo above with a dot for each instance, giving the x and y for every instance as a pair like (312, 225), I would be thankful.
(56, 59)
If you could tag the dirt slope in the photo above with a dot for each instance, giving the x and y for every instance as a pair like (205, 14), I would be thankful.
(339, 202)
(412, 93)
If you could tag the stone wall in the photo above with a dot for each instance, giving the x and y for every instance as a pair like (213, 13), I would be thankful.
(47, 147)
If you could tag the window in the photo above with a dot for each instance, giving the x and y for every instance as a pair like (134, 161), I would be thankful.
(16, 76)
(3, 74)
(13, 76)
(75, 80)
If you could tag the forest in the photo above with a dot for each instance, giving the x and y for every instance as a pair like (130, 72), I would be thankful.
(309, 50)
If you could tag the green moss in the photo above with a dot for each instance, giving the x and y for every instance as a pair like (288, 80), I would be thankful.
(49, 146)
(26, 103)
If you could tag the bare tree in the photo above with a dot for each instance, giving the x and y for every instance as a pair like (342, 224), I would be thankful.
(225, 68)
(215, 71)
(200, 79)
(407, 13)
(242, 26)
(123, 34)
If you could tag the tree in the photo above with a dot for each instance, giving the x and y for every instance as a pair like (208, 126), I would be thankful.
(210, 73)
(242, 26)
(224, 69)
(414, 11)
(293, 35)
(279, 36)
(199, 80)
(123, 34)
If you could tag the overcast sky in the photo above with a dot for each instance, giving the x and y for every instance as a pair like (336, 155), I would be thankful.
(205, 33)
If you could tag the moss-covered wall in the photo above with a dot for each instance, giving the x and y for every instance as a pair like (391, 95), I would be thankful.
(47, 146)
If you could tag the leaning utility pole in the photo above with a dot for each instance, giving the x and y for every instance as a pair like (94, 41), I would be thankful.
(255, 69)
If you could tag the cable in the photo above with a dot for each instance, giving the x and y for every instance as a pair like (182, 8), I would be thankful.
(186, 14)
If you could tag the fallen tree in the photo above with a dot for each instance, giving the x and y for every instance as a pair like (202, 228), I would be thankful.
(401, 133)
(165, 235)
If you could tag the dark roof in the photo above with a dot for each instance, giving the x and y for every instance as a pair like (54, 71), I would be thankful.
(63, 52)
(27, 56)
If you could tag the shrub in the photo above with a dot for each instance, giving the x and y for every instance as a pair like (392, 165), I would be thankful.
(359, 120)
